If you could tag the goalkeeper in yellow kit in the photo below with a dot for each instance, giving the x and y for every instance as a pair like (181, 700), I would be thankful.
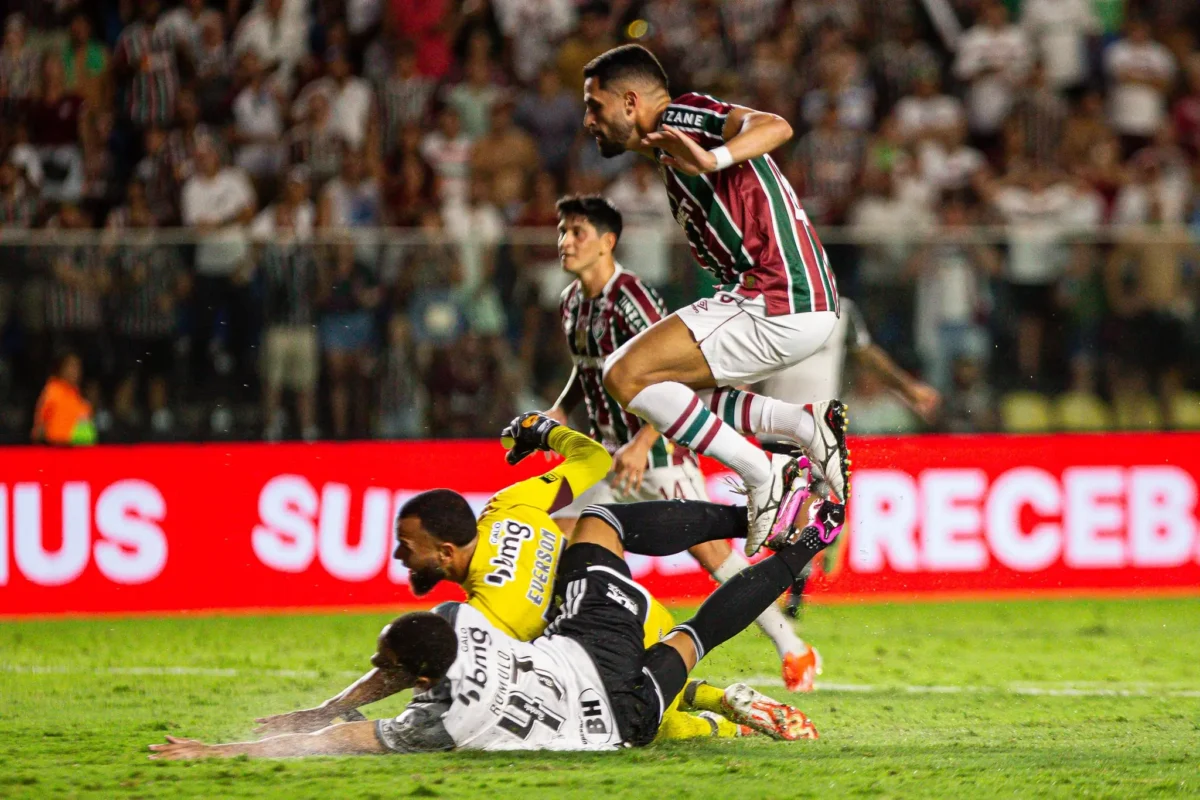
(506, 561)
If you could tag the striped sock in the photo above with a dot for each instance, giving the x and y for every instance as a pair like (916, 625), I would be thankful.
(753, 414)
(680, 416)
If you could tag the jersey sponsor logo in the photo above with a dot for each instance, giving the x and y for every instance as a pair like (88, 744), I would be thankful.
(474, 643)
(543, 567)
(508, 535)
(549, 478)
(683, 212)
(595, 727)
(617, 596)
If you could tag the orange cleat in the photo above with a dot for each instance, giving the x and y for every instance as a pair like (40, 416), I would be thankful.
(800, 670)
(745, 706)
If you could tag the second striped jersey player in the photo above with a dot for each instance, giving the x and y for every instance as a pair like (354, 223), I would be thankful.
(602, 309)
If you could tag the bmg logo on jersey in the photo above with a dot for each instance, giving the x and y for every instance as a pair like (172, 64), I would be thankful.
(476, 642)
(507, 536)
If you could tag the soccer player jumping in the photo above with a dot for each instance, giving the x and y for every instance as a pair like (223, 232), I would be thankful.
(778, 305)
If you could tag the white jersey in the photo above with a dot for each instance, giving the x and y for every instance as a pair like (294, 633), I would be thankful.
(819, 377)
(503, 694)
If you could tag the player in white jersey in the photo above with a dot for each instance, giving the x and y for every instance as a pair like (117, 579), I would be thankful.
(588, 683)
(602, 309)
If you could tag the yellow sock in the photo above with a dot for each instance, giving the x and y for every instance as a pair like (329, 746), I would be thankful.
(676, 724)
(725, 728)
(699, 696)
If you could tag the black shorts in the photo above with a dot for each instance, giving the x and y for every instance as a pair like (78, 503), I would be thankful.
(600, 606)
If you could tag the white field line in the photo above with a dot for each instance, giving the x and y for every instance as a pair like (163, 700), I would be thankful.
(1056, 689)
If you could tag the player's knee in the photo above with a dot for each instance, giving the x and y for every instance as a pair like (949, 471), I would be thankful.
(621, 379)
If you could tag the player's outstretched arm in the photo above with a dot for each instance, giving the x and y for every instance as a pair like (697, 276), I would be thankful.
(347, 739)
(585, 463)
(921, 397)
(370, 688)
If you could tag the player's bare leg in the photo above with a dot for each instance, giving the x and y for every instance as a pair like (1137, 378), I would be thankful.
(656, 376)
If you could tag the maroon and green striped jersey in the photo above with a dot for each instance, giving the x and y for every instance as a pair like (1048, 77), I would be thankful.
(744, 224)
(595, 328)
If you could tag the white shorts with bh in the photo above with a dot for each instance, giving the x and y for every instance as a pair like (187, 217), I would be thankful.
(743, 345)
(677, 482)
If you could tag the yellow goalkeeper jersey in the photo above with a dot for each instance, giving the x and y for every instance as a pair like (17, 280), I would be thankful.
(511, 577)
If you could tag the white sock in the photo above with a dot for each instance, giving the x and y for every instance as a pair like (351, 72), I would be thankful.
(680, 416)
(753, 414)
(772, 621)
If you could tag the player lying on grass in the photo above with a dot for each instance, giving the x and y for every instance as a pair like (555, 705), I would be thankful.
(507, 562)
(779, 301)
(587, 683)
(602, 309)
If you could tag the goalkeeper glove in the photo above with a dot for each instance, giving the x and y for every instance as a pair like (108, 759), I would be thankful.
(528, 432)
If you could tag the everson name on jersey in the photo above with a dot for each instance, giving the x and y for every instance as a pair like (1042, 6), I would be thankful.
(546, 549)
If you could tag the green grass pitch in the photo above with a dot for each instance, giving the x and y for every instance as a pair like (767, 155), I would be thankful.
(1017, 699)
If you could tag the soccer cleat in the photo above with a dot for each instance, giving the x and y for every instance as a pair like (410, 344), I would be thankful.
(800, 670)
(772, 509)
(828, 452)
(825, 521)
(745, 706)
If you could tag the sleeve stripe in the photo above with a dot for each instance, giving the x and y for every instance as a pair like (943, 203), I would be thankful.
(642, 301)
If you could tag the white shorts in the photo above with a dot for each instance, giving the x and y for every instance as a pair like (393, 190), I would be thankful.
(744, 345)
(677, 482)
(814, 380)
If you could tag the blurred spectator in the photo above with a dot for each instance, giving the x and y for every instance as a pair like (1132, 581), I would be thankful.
(409, 183)
(428, 23)
(1151, 292)
(19, 204)
(1187, 110)
(257, 133)
(74, 298)
(448, 150)
(592, 37)
(1035, 129)
(748, 22)
(645, 245)
(1140, 71)
(185, 138)
(351, 102)
(532, 28)
(214, 68)
(1081, 296)
(315, 142)
(505, 151)
(347, 297)
(56, 127)
(184, 21)
(927, 112)
(86, 64)
(404, 96)
(62, 416)
(552, 117)
(148, 284)
(828, 160)
(352, 199)
(706, 62)
(279, 39)
(147, 59)
(993, 58)
(1157, 189)
(949, 164)
(1060, 30)
(842, 85)
(952, 304)
(891, 223)
(1035, 203)
(1085, 128)
(475, 97)
(154, 173)
(401, 395)
(477, 228)
(20, 65)
(217, 203)
(970, 406)
(467, 393)
(286, 276)
(898, 60)
(670, 23)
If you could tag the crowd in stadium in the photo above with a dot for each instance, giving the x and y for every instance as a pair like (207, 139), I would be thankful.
(1011, 190)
